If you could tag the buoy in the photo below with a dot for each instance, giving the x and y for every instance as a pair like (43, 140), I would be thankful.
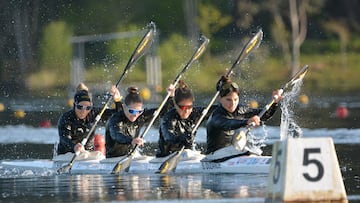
(70, 102)
(99, 144)
(45, 124)
(2, 107)
(158, 89)
(253, 104)
(19, 113)
(305, 170)
(145, 93)
(342, 111)
(304, 99)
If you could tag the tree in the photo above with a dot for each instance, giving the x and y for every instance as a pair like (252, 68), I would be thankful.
(297, 13)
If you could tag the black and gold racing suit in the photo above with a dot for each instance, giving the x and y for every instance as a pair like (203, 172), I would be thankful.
(120, 131)
(223, 125)
(72, 130)
(176, 132)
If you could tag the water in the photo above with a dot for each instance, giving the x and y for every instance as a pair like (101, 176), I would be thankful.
(26, 142)
(29, 186)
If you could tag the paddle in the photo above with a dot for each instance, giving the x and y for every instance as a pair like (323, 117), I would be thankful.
(171, 163)
(124, 163)
(241, 139)
(141, 48)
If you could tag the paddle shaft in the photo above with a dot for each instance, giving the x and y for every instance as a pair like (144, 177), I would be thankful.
(144, 44)
(124, 163)
(299, 75)
(245, 52)
(253, 43)
(194, 57)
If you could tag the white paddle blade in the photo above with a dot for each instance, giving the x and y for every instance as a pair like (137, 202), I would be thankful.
(240, 141)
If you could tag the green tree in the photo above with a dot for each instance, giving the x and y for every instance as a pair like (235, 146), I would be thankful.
(211, 20)
(55, 55)
(174, 54)
(120, 50)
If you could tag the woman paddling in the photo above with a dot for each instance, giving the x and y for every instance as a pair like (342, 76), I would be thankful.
(74, 125)
(123, 128)
(176, 125)
(227, 120)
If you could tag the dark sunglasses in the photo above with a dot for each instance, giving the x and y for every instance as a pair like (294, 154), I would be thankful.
(185, 107)
(81, 107)
(228, 87)
(134, 111)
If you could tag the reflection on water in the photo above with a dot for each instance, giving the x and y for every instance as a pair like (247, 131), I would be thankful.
(27, 186)
(106, 188)
(90, 188)
(45, 186)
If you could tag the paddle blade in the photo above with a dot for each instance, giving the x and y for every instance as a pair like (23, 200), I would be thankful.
(240, 140)
(65, 169)
(298, 76)
(122, 166)
(144, 44)
(252, 44)
(171, 163)
(204, 43)
(201, 49)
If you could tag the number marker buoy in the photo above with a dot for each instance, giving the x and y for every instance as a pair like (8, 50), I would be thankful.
(305, 170)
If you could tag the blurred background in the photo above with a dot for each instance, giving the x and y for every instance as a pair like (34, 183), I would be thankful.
(48, 47)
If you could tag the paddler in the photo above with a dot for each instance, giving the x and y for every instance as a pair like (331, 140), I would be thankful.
(229, 117)
(123, 128)
(176, 125)
(74, 125)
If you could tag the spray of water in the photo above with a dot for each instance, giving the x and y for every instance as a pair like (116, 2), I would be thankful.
(288, 126)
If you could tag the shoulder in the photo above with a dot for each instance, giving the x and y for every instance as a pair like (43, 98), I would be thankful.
(118, 115)
(171, 113)
(68, 115)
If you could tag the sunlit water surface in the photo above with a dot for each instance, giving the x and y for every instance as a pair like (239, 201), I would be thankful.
(47, 186)
(24, 142)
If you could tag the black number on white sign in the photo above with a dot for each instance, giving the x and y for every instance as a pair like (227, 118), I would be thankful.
(307, 161)
(277, 167)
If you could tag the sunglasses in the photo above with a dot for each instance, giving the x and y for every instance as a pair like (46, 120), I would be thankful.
(185, 107)
(228, 87)
(81, 107)
(134, 111)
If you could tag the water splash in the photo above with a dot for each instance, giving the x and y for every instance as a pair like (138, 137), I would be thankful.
(288, 126)
(257, 141)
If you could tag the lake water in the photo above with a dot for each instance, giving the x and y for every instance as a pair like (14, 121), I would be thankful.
(22, 139)
(25, 142)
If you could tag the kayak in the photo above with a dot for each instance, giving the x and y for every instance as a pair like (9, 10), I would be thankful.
(190, 162)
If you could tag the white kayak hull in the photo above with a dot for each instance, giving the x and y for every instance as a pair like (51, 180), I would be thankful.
(148, 164)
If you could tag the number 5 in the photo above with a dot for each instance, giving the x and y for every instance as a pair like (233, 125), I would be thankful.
(307, 161)
(277, 166)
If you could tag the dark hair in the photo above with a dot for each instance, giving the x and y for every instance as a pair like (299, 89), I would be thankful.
(133, 96)
(225, 86)
(182, 92)
(82, 94)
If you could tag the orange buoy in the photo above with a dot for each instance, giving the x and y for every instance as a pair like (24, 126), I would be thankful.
(2, 107)
(304, 99)
(145, 94)
(342, 111)
(19, 113)
(99, 143)
(253, 104)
